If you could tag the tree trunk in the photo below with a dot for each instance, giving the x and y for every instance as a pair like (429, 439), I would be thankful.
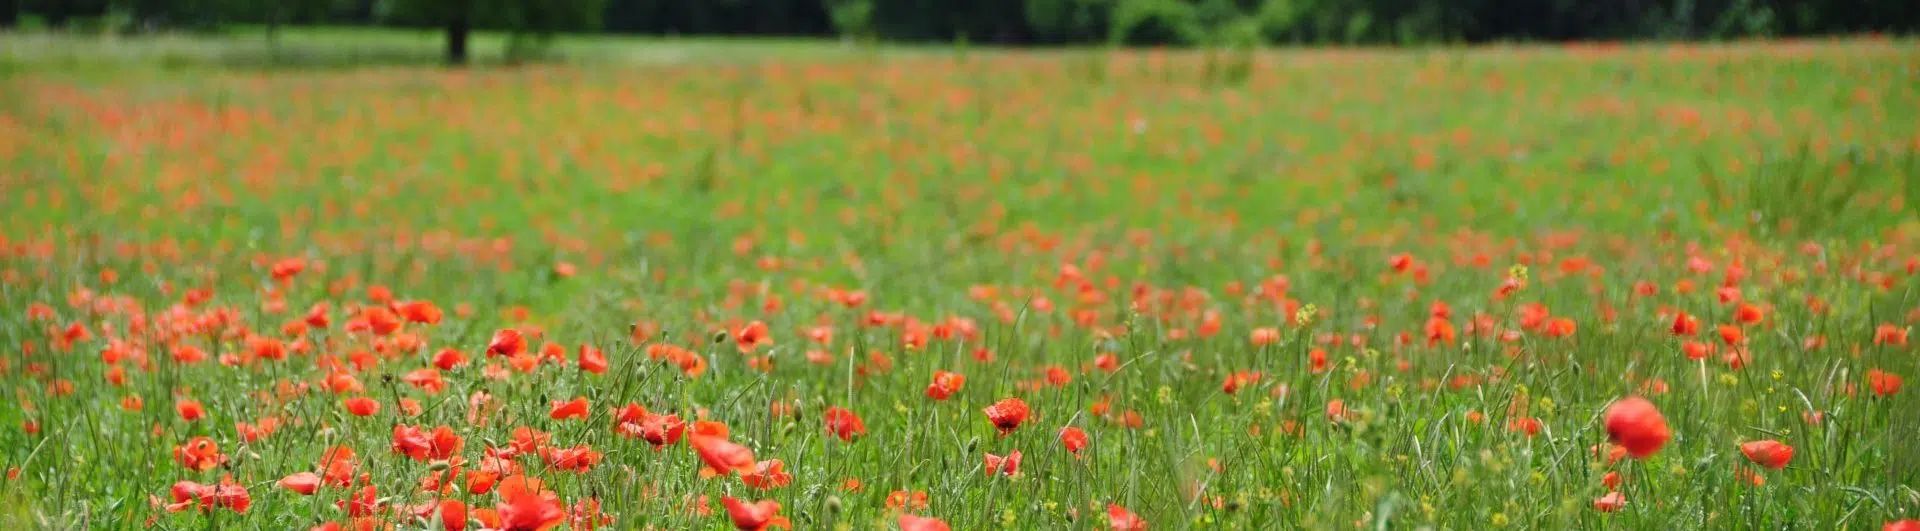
(457, 39)
(273, 29)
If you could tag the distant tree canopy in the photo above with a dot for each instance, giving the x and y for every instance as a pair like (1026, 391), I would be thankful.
(527, 22)
(1134, 22)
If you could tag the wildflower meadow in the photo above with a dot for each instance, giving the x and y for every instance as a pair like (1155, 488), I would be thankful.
(1595, 286)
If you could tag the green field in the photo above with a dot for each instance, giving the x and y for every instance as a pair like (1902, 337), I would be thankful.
(1296, 288)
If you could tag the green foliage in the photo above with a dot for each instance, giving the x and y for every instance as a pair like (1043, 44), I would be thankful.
(1799, 193)
(1067, 20)
(530, 24)
(853, 18)
(57, 13)
(1155, 21)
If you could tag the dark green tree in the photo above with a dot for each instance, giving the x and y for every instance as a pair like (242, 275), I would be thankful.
(1068, 20)
(58, 13)
(528, 23)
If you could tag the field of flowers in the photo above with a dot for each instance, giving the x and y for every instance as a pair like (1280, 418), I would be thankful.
(1593, 286)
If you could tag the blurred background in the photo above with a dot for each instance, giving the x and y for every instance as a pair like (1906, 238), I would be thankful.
(458, 31)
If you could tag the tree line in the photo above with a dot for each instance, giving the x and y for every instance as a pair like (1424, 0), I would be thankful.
(1029, 22)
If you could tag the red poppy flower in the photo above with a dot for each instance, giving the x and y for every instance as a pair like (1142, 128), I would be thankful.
(1884, 383)
(1058, 376)
(286, 268)
(1769, 453)
(529, 511)
(910, 522)
(1121, 519)
(426, 379)
(506, 342)
(1636, 425)
(1073, 439)
(1336, 410)
(767, 474)
(336, 466)
(1731, 335)
(200, 454)
(721, 455)
(422, 312)
(1696, 350)
(1887, 334)
(302, 482)
(361, 406)
(1440, 332)
(317, 316)
(453, 515)
(364, 502)
(190, 410)
(756, 516)
(1610, 502)
(572, 409)
(379, 320)
(592, 360)
(1237, 380)
(1685, 325)
(411, 441)
(900, 499)
(844, 424)
(448, 359)
(576, 459)
(1400, 262)
(945, 384)
(226, 494)
(627, 419)
(1610, 452)
(1265, 336)
(661, 430)
(1007, 414)
(1008, 465)
(752, 336)
(1525, 425)
(526, 440)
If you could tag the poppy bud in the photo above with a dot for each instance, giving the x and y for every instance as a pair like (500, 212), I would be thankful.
(439, 465)
(833, 505)
(720, 337)
(787, 428)
(973, 444)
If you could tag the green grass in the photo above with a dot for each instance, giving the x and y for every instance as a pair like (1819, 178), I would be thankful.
(731, 181)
